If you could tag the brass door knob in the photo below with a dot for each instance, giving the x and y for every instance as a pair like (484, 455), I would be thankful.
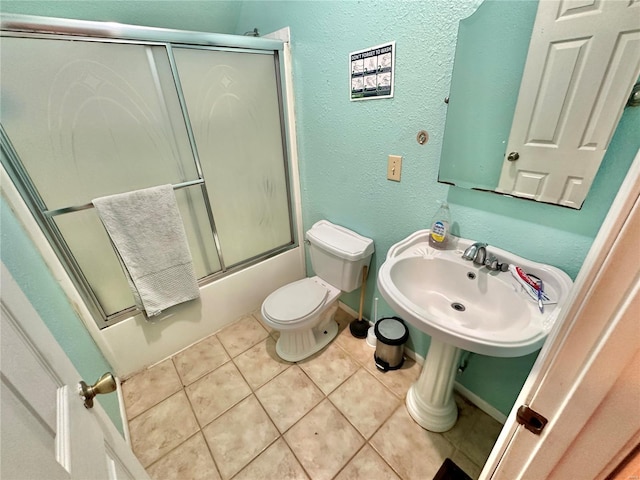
(105, 384)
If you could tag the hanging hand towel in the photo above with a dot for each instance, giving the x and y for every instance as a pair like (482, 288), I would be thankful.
(146, 230)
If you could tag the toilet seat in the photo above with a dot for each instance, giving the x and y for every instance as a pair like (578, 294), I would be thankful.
(295, 301)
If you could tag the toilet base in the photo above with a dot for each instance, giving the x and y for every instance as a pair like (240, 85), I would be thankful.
(298, 345)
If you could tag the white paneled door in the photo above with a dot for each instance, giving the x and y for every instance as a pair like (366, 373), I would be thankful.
(586, 379)
(583, 60)
(46, 430)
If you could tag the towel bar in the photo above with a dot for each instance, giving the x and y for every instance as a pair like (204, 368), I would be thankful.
(86, 206)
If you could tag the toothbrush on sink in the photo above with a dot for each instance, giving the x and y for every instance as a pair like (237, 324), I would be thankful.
(540, 289)
(534, 289)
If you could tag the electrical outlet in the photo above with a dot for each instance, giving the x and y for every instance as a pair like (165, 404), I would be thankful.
(394, 168)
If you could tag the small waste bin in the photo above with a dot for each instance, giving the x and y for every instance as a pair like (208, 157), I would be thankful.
(391, 333)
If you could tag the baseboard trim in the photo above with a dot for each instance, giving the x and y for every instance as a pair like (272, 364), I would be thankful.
(419, 359)
(351, 311)
(483, 405)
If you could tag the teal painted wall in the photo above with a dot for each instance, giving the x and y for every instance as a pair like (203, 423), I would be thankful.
(343, 145)
(202, 15)
(28, 269)
(343, 148)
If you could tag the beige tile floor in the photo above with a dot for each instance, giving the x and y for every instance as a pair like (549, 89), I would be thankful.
(229, 408)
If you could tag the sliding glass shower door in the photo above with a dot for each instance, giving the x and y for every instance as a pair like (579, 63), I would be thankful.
(232, 100)
(85, 117)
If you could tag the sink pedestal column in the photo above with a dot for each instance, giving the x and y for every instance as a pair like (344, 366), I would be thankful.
(430, 400)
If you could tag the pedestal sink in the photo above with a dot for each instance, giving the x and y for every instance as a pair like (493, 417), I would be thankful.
(463, 306)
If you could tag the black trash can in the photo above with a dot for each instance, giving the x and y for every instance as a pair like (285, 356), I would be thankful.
(392, 334)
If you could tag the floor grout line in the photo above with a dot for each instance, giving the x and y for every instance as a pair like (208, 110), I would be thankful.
(294, 454)
(352, 356)
(200, 427)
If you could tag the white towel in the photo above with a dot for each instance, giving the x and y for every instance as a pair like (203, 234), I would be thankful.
(146, 230)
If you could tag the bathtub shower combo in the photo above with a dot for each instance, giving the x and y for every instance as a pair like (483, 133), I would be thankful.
(122, 108)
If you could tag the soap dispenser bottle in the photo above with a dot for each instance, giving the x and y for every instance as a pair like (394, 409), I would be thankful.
(439, 235)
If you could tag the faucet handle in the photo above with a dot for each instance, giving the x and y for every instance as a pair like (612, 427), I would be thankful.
(491, 262)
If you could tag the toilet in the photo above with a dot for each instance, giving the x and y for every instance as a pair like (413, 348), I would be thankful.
(303, 311)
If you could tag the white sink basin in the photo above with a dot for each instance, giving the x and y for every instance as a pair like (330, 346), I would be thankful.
(467, 305)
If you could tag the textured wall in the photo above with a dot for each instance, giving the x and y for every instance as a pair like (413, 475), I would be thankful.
(219, 16)
(343, 148)
(343, 145)
(30, 272)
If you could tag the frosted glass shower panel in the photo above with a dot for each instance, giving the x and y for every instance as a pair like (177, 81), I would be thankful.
(232, 100)
(99, 118)
(88, 242)
(198, 230)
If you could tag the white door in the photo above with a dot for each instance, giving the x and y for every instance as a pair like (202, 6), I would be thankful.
(583, 60)
(47, 433)
(586, 380)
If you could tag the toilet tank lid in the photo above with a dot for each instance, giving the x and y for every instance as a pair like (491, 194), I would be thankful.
(340, 241)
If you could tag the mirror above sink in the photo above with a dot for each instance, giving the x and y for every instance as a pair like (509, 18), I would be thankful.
(463, 305)
(484, 91)
(537, 91)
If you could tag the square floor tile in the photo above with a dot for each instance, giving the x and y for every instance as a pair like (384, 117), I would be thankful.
(216, 392)
(357, 348)
(149, 387)
(323, 438)
(239, 435)
(260, 363)
(200, 359)
(367, 464)
(466, 419)
(365, 402)
(479, 440)
(410, 450)
(258, 316)
(190, 460)
(242, 335)
(160, 429)
(398, 381)
(323, 441)
(329, 368)
(288, 397)
(466, 464)
(276, 462)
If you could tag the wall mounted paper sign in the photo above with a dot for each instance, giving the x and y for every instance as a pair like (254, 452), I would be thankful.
(372, 72)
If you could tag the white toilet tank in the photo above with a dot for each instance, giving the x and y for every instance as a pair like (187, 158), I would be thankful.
(338, 254)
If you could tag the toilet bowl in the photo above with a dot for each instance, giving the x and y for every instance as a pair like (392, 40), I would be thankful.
(303, 311)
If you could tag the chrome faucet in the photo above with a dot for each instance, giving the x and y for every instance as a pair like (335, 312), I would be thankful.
(477, 253)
